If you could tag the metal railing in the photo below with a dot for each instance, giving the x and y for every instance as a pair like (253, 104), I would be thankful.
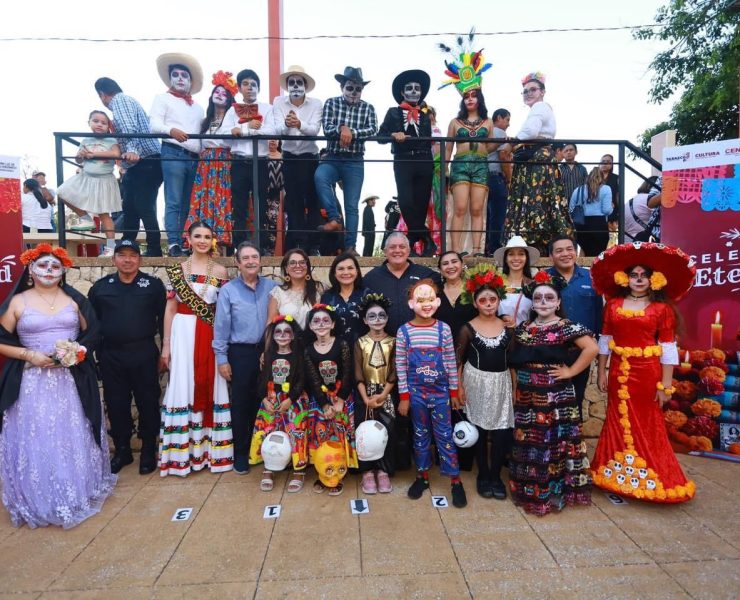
(623, 147)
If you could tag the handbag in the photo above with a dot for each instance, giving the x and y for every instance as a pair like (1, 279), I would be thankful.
(578, 214)
(524, 153)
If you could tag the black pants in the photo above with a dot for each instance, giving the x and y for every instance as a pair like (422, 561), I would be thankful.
(140, 187)
(242, 185)
(301, 202)
(580, 382)
(593, 235)
(245, 367)
(367, 249)
(414, 186)
(491, 461)
(131, 369)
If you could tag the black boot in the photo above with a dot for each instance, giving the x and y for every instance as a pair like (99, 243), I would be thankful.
(148, 459)
(121, 457)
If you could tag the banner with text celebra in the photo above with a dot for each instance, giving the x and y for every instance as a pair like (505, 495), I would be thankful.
(701, 215)
(11, 224)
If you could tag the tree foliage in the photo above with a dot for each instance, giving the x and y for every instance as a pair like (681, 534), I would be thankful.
(702, 62)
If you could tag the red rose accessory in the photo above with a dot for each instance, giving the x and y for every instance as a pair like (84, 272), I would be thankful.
(482, 275)
(556, 282)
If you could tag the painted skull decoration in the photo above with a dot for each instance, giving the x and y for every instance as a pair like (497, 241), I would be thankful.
(412, 92)
(328, 371)
(280, 370)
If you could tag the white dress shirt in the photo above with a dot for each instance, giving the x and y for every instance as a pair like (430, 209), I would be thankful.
(170, 112)
(243, 147)
(540, 123)
(309, 114)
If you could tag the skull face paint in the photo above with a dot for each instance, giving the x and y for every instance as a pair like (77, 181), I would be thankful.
(331, 463)
(321, 324)
(296, 87)
(352, 91)
(376, 318)
(283, 336)
(47, 271)
(412, 92)
(180, 80)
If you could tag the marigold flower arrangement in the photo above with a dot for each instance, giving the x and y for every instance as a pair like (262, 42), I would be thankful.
(33, 254)
(226, 80)
(621, 278)
(658, 281)
(675, 418)
(707, 408)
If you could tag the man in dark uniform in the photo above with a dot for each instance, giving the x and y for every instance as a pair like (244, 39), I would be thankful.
(130, 306)
(368, 225)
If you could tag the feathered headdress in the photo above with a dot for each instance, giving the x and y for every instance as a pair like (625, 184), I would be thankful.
(226, 80)
(466, 66)
(482, 275)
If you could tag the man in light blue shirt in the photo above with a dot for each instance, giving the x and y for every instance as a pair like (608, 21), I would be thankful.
(238, 330)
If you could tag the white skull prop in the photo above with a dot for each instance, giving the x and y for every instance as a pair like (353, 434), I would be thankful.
(650, 484)
(618, 467)
(276, 451)
(629, 470)
(634, 482)
(621, 479)
(328, 371)
(280, 370)
(629, 458)
(412, 92)
(296, 87)
(642, 473)
(608, 472)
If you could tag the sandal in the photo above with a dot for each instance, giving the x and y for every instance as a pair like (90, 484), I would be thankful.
(318, 487)
(336, 491)
(266, 483)
(296, 484)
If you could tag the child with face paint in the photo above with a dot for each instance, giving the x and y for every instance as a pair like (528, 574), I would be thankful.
(95, 189)
(375, 375)
(486, 381)
(427, 380)
(285, 404)
(549, 467)
(329, 378)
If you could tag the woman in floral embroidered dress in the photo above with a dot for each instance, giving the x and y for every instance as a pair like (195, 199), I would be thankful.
(634, 457)
(549, 467)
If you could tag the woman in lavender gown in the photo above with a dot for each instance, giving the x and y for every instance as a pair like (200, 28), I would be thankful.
(54, 463)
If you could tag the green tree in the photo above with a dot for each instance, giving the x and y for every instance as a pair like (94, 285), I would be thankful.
(702, 61)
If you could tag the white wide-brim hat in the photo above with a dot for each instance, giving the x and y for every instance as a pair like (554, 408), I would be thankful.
(297, 70)
(178, 58)
(516, 241)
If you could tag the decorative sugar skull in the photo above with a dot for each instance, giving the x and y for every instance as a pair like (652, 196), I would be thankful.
(642, 473)
(330, 461)
(328, 371)
(412, 92)
(296, 87)
(629, 470)
(621, 479)
(634, 482)
(608, 472)
(650, 484)
(629, 458)
(618, 466)
(280, 370)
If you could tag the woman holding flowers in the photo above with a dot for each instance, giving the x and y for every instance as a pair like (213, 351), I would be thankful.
(54, 461)
(634, 457)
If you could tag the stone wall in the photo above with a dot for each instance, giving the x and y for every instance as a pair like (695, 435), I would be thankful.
(87, 271)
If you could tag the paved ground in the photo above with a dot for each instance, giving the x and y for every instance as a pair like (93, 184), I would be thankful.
(401, 549)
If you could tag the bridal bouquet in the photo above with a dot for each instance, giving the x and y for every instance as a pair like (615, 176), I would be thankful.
(68, 353)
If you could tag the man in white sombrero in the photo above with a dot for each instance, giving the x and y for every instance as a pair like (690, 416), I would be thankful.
(299, 115)
(176, 114)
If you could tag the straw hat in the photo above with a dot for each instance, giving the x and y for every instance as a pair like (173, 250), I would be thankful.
(178, 58)
(296, 70)
(516, 241)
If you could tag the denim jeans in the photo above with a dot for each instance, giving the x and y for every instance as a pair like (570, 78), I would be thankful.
(350, 170)
(178, 176)
(495, 211)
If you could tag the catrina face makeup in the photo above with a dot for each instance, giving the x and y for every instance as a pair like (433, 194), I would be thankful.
(376, 318)
(249, 89)
(412, 92)
(545, 301)
(487, 303)
(296, 87)
(283, 335)
(352, 91)
(47, 271)
(180, 80)
(321, 324)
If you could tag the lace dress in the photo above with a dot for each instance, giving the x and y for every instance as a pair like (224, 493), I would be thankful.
(53, 472)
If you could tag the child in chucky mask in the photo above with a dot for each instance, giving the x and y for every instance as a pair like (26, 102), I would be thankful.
(427, 379)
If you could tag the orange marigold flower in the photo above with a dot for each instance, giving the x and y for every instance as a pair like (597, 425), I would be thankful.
(675, 418)
(706, 407)
(713, 373)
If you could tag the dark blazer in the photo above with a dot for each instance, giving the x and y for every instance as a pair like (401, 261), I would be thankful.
(393, 123)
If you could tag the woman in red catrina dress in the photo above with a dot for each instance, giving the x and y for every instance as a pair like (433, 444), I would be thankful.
(634, 457)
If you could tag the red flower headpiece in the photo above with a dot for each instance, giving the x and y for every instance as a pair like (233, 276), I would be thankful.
(543, 278)
(480, 276)
(33, 254)
(280, 318)
(326, 307)
(226, 80)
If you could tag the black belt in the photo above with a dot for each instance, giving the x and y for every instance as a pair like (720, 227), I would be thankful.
(249, 346)
(188, 152)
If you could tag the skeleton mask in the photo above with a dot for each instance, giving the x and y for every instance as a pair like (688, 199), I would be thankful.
(412, 92)
(331, 463)
(280, 370)
(328, 371)
(180, 80)
(296, 87)
(352, 91)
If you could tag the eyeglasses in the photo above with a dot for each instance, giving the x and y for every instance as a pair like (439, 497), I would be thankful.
(372, 317)
(319, 321)
(526, 91)
(297, 263)
(353, 88)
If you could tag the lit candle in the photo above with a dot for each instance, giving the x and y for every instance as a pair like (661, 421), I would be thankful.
(716, 332)
(686, 364)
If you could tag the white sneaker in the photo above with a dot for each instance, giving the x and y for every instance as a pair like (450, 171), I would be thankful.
(84, 223)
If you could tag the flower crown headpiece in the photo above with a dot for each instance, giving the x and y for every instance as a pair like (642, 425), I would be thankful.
(320, 306)
(466, 67)
(280, 318)
(482, 275)
(543, 278)
(225, 79)
(657, 280)
(374, 299)
(534, 76)
(33, 254)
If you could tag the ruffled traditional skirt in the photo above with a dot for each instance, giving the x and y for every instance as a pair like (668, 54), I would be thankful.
(488, 398)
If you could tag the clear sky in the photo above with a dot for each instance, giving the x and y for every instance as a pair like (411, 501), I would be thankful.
(597, 82)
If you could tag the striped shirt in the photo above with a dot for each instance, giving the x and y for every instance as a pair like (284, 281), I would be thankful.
(129, 117)
(572, 178)
(426, 336)
(360, 118)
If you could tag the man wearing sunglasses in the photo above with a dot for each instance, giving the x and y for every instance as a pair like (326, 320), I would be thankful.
(348, 121)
